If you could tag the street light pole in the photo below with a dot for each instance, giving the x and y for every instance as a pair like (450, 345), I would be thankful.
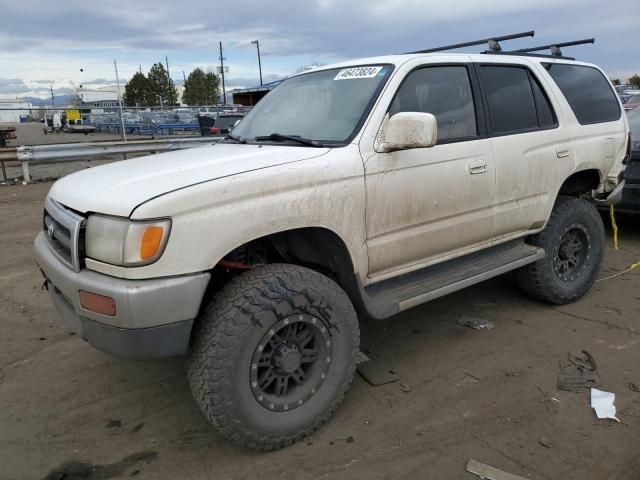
(257, 44)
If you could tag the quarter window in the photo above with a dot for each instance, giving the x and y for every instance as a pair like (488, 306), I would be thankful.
(588, 92)
(445, 92)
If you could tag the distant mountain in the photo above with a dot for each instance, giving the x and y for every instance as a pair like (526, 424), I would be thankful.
(59, 100)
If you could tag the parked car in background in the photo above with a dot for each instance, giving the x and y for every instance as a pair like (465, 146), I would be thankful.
(631, 193)
(225, 123)
(632, 100)
(627, 87)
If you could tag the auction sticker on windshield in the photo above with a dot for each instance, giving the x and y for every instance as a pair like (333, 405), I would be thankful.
(358, 72)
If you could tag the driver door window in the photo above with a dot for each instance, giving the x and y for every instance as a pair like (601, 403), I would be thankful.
(444, 92)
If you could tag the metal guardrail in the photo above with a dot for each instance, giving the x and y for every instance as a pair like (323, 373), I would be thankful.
(43, 154)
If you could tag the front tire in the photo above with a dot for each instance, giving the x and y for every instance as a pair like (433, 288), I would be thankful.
(273, 355)
(574, 244)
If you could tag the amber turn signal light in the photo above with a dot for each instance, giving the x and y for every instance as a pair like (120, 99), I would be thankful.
(151, 240)
(97, 303)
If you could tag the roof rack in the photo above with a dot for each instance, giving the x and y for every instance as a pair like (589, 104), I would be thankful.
(554, 47)
(494, 46)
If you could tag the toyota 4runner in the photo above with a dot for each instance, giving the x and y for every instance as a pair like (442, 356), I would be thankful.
(362, 188)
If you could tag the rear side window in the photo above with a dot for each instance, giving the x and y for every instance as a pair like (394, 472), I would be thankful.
(445, 92)
(588, 92)
(516, 101)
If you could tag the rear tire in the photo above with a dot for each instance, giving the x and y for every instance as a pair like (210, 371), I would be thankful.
(273, 355)
(574, 244)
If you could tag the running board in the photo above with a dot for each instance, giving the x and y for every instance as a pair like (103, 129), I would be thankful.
(389, 297)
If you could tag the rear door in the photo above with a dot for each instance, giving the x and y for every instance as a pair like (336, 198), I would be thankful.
(530, 150)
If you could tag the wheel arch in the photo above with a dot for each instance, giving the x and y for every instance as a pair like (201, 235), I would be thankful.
(318, 248)
(581, 181)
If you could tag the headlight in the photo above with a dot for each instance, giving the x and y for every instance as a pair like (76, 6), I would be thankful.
(128, 243)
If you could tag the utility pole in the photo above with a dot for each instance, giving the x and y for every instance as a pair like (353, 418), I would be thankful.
(224, 91)
(257, 44)
(166, 60)
(53, 102)
(124, 134)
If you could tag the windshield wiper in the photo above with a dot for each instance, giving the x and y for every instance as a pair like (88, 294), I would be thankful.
(297, 139)
(233, 137)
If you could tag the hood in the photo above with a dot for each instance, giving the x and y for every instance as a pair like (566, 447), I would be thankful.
(118, 188)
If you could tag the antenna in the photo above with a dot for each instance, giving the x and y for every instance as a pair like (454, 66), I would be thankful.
(555, 47)
(491, 41)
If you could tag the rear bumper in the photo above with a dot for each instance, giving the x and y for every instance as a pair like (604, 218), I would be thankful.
(153, 318)
(614, 197)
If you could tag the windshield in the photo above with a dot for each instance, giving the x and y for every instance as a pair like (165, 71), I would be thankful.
(326, 106)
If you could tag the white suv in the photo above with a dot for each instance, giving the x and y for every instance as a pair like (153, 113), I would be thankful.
(369, 186)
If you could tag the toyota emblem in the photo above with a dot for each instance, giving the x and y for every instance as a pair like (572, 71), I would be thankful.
(51, 228)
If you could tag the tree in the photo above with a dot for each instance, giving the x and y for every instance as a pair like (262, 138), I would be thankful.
(138, 91)
(161, 85)
(635, 80)
(201, 88)
(615, 81)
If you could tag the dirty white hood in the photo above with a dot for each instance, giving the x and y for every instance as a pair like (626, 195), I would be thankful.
(118, 188)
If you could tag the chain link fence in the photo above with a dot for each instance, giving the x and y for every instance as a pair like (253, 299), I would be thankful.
(46, 125)
(34, 124)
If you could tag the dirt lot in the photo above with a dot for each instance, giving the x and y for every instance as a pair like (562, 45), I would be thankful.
(487, 395)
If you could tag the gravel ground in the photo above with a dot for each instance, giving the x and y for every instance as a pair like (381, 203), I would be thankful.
(487, 395)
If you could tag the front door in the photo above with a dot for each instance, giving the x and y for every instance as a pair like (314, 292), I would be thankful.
(425, 204)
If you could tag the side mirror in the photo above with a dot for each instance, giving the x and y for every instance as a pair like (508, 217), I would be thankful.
(407, 130)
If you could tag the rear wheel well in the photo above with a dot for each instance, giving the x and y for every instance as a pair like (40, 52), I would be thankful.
(316, 248)
(581, 182)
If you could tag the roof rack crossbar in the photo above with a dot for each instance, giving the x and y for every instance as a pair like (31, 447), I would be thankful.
(555, 47)
(491, 41)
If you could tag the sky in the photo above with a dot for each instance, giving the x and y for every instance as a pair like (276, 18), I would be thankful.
(66, 44)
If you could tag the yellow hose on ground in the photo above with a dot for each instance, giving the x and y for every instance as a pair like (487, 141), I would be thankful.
(614, 226)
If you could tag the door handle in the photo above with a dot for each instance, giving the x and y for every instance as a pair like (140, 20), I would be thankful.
(562, 152)
(477, 167)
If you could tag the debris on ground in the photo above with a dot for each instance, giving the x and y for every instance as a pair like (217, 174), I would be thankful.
(474, 322)
(490, 473)
(376, 372)
(580, 374)
(602, 403)
(362, 357)
(545, 442)
(513, 374)
(405, 387)
(634, 387)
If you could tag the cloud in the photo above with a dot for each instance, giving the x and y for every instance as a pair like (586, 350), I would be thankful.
(100, 81)
(57, 39)
(12, 86)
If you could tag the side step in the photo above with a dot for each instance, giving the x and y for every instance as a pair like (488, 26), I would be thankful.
(388, 297)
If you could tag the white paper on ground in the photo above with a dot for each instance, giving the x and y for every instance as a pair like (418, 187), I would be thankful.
(602, 403)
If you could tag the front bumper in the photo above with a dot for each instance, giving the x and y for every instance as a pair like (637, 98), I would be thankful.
(153, 318)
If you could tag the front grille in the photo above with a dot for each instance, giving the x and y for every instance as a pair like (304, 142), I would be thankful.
(63, 229)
